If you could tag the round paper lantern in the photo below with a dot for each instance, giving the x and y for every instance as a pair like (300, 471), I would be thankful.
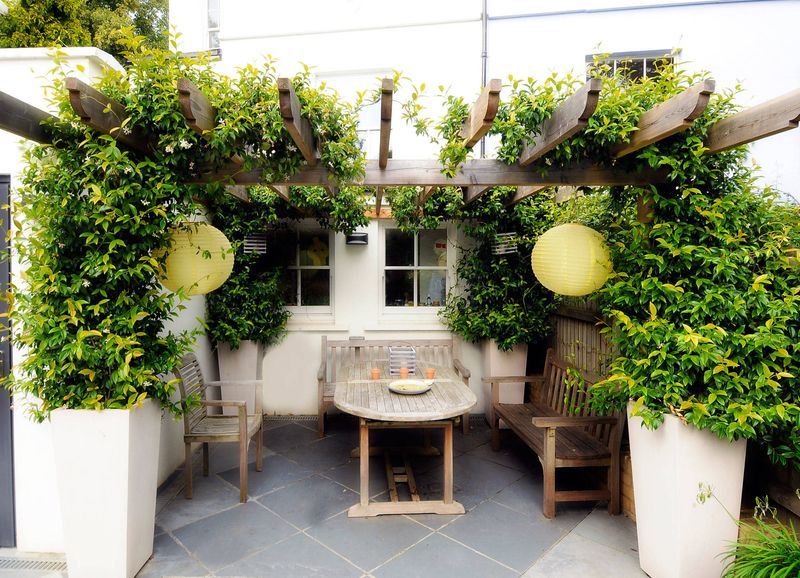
(571, 259)
(199, 261)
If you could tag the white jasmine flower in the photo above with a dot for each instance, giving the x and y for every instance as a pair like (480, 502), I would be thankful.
(85, 283)
(169, 149)
(126, 130)
(185, 144)
(191, 165)
(128, 170)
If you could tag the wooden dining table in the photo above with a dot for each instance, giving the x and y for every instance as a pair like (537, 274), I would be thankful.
(379, 408)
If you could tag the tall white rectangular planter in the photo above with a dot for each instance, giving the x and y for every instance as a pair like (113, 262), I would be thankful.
(107, 474)
(497, 363)
(244, 363)
(678, 536)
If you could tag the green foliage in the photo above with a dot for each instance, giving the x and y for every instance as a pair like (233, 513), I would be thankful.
(30, 23)
(97, 23)
(249, 305)
(497, 297)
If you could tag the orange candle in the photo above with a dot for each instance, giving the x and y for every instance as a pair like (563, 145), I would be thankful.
(430, 373)
(376, 373)
(403, 372)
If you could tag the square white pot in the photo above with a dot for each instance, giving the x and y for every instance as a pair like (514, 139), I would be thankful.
(678, 536)
(244, 363)
(107, 470)
(498, 363)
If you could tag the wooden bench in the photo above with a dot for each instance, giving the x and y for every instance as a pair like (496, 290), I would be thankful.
(340, 354)
(558, 425)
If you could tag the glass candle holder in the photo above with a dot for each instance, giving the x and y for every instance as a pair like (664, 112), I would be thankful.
(376, 373)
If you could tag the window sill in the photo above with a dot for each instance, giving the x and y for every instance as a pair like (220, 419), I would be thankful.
(407, 323)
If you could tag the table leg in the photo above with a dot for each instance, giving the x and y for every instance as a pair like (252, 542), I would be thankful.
(448, 463)
(364, 461)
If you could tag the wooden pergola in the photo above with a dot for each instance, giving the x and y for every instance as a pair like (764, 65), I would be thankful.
(474, 177)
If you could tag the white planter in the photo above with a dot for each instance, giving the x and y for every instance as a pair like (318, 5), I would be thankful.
(107, 474)
(497, 363)
(678, 536)
(244, 363)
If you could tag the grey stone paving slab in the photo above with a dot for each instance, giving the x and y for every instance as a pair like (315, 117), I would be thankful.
(432, 521)
(349, 475)
(210, 496)
(616, 532)
(368, 542)
(288, 436)
(222, 457)
(320, 455)
(276, 473)
(509, 455)
(298, 556)
(170, 559)
(509, 537)
(524, 496)
(579, 556)
(438, 557)
(309, 501)
(231, 535)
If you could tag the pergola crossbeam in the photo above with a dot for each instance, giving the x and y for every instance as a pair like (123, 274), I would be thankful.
(525, 192)
(282, 190)
(22, 119)
(571, 116)
(387, 92)
(668, 118)
(473, 193)
(238, 191)
(378, 200)
(426, 194)
(760, 121)
(481, 115)
(195, 106)
(473, 172)
(105, 115)
(299, 128)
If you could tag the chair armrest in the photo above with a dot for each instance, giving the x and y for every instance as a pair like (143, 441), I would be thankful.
(573, 421)
(461, 368)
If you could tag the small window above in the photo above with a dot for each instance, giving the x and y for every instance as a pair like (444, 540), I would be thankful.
(644, 64)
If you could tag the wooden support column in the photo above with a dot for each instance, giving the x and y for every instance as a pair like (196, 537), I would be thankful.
(22, 119)
(768, 118)
(570, 117)
(387, 92)
(299, 128)
(668, 118)
(104, 115)
(481, 115)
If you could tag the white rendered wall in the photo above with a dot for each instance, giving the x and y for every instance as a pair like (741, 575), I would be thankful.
(38, 520)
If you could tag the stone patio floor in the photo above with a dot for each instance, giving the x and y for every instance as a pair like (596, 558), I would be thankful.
(296, 524)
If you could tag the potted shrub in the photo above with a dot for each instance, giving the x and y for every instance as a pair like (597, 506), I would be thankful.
(704, 316)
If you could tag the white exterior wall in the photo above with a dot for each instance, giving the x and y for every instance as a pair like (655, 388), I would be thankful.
(350, 43)
(38, 519)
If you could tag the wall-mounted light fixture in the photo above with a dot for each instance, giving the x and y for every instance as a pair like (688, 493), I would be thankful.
(356, 239)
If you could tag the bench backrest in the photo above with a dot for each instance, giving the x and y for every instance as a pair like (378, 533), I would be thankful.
(341, 352)
(567, 396)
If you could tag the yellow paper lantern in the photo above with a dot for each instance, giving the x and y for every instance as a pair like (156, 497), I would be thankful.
(571, 259)
(199, 260)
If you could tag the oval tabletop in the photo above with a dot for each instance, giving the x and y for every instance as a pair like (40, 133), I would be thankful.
(372, 399)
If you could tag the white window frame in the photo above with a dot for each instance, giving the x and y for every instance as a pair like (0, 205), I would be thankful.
(209, 29)
(614, 58)
(426, 312)
(312, 310)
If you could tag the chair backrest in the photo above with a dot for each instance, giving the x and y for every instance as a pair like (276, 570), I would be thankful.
(339, 353)
(565, 393)
(191, 385)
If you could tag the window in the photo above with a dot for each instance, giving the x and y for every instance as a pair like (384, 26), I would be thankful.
(213, 24)
(305, 256)
(415, 268)
(636, 64)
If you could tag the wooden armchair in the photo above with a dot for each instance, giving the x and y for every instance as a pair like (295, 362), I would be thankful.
(199, 427)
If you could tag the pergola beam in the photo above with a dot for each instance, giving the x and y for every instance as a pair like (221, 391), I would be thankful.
(22, 119)
(525, 192)
(473, 172)
(426, 194)
(238, 191)
(571, 116)
(195, 106)
(282, 190)
(299, 128)
(105, 115)
(760, 121)
(481, 115)
(387, 92)
(668, 118)
(473, 193)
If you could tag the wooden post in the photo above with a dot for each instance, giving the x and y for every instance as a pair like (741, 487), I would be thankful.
(448, 462)
(363, 460)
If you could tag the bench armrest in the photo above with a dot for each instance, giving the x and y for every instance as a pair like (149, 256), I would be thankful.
(513, 379)
(321, 372)
(573, 421)
(222, 403)
(461, 368)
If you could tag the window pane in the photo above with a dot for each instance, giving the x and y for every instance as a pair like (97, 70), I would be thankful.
(399, 248)
(653, 66)
(633, 69)
(432, 288)
(281, 249)
(289, 287)
(314, 249)
(433, 249)
(213, 14)
(213, 39)
(399, 288)
(315, 287)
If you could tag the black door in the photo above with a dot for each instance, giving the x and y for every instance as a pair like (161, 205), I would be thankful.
(7, 533)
